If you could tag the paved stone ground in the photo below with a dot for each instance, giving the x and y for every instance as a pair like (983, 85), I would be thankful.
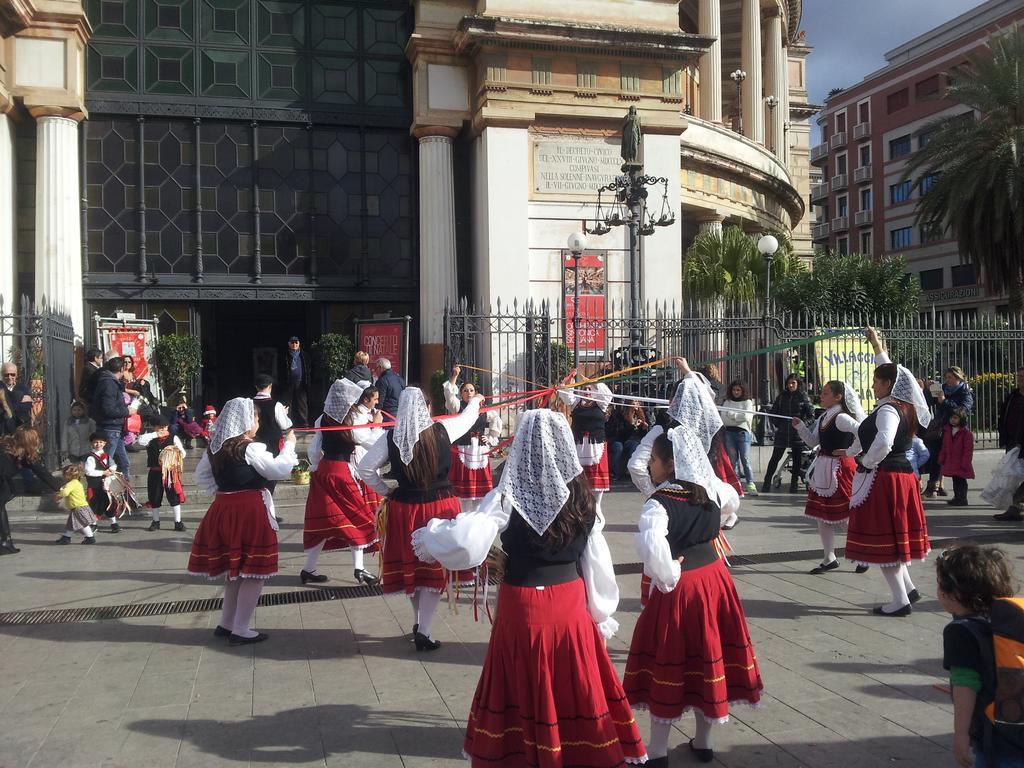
(338, 684)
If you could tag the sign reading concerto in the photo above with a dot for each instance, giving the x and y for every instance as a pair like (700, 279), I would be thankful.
(385, 338)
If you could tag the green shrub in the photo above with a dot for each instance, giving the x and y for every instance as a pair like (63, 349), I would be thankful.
(989, 390)
(178, 359)
(334, 353)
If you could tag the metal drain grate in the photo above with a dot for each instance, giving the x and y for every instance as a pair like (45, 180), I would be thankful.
(325, 594)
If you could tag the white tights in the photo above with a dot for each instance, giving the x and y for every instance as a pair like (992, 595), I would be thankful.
(657, 745)
(313, 555)
(828, 541)
(240, 599)
(898, 578)
(424, 606)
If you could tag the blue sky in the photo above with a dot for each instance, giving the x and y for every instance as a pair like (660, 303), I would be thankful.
(850, 39)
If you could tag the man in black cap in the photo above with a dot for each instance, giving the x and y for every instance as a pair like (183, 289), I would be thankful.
(298, 372)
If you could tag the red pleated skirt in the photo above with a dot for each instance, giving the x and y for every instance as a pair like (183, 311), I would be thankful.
(691, 649)
(836, 508)
(469, 483)
(548, 694)
(889, 527)
(340, 510)
(724, 470)
(401, 570)
(235, 538)
(597, 474)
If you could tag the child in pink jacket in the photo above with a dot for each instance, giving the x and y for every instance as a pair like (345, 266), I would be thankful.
(957, 455)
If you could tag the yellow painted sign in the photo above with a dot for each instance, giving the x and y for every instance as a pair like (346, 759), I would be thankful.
(848, 359)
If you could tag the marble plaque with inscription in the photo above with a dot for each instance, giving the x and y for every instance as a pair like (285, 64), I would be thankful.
(574, 166)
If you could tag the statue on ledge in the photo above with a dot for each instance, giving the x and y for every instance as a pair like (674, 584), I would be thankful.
(631, 140)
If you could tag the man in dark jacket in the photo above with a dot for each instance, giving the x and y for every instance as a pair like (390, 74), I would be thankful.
(17, 405)
(297, 375)
(93, 364)
(109, 411)
(1011, 414)
(389, 384)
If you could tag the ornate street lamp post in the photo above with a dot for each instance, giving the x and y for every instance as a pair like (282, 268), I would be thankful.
(738, 76)
(577, 244)
(767, 245)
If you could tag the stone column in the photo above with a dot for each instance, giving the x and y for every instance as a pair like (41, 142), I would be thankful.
(753, 88)
(711, 223)
(8, 217)
(58, 218)
(438, 283)
(775, 62)
(710, 25)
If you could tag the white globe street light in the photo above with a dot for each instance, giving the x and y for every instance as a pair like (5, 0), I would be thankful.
(577, 244)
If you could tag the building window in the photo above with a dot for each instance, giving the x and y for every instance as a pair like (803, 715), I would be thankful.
(901, 238)
(899, 193)
(842, 207)
(931, 234)
(865, 243)
(840, 122)
(927, 89)
(898, 100)
(541, 71)
(865, 199)
(586, 74)
(864, 112)
(865, 155)
(927, 182)
(924, 139)
(841, 164)
(843, 246)
(931, 280)
(671, 82)
(497, 68)
(899, 147)
(629, 78)
(963, 274)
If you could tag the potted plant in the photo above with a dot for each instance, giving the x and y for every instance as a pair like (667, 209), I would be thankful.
(178, 359)
(300, 475)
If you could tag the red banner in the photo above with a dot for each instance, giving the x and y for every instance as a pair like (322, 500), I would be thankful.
(592, 300)
(383, 338)
(133, 342)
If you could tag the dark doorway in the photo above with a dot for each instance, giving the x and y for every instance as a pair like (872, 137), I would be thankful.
(243, 338)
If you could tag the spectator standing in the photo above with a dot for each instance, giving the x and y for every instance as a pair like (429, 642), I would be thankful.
(298, 372)
(944, 399)
(17, 407)
(93, 364)
(75, 442)
(738, 417)
(360, 372)
(793, 403)
(1011, 414)
(957, 457)
(109, 411)
(389, 385)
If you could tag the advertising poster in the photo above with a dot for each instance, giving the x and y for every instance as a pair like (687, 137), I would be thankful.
(385, 338)
(592, 301)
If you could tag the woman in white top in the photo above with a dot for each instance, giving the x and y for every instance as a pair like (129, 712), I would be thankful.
(548, 693)
(830, 476)
(738, 417)
(470, 474)
(589, 414)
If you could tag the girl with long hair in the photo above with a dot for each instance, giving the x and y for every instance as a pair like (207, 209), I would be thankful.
(18, 452)
(830, 479)
(470, 474)
(548, 693)
(887, 523)
(793, 402)
(340, 508)
(237, 538)
(738, 417)
(589, 412)
(420, 454)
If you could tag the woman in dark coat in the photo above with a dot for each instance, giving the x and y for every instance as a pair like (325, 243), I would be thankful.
(954, 393)
(18, 452)
(792, 402)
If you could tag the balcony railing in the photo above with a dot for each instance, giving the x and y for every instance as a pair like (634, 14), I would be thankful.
(862, 174)
(840, 223)
(819, 231)
(838, 182)
(862, 218)
(862, 130)
(819, 153)
(837, 140)
(819, 191)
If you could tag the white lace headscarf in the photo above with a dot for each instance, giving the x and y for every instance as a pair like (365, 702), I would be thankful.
(237, 418)
(541, 463)
(340, 399)
(694, 405)
(691, 460)
(411, 421)
(907, 390)
(853, 404)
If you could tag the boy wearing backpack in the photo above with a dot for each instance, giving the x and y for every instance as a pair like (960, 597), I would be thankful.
(982, 649)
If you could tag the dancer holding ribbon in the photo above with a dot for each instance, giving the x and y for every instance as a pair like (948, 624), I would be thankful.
(887, 523)
(470, 474)
(238, 536)
(830, 478)
(691, 648)
(340, 508)
(589, 406)
(548, 693)
(420, 454)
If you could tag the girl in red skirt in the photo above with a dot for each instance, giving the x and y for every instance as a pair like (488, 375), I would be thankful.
(470, 474)
(589, 413)
(420, 454)
(340, 510)
(548, 694)
(691, 648)
(238, 536)
(887, 524)
(830, 477)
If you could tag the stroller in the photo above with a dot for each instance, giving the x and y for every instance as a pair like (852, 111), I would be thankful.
(807, 455)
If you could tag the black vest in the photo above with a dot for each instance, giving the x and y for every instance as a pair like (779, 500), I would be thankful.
(531, 564)
(439, 488)
(897, 460)
(269, 432)
(832, 439)
(588, 420)
(691, 527)
(153, 450)
(237, 475)
(477, 430)
(102, 462)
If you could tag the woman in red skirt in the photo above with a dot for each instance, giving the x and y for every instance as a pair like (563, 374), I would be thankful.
(887, 523)
(548, 694)
(470, 474)
(830, 477)
(420, 454)
(340, 509)
(238, 536)
(589, 406)
(691, 648)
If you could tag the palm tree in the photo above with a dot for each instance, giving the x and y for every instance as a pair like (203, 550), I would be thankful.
(726, 266)
(976, 165)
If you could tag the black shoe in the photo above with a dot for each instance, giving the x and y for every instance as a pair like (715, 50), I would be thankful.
(879, 610)
(941, 492)
(316, 578)
(861, 569)
(89, 540)
(115, 528)
(424, 643)
(415, 631)
(1013, 513)
(766, 487)
(704, 755)
(279, 519)
(63, 540)
(179, 526)
(363, 577)
(955, 502)
(221, 632)
(154, 526)
(7, 547)
(239, 640)
(914, 596)
(825, 567)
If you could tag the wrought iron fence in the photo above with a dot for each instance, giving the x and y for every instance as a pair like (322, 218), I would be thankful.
(41, 343)
(517, 347)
